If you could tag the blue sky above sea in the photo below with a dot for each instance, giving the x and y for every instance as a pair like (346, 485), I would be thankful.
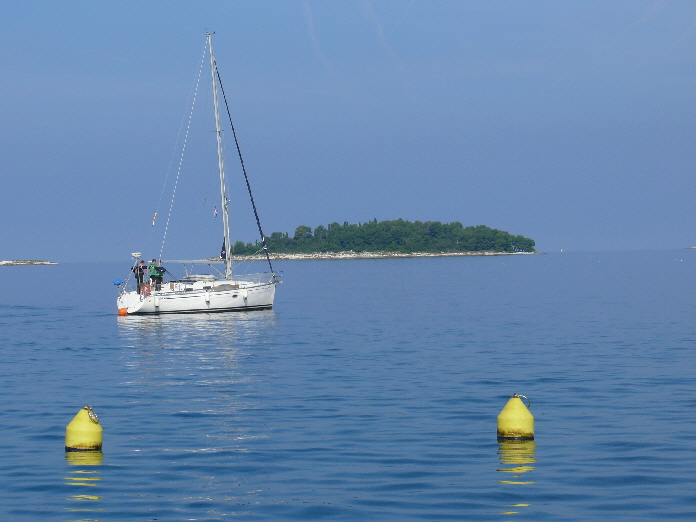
(570, 123)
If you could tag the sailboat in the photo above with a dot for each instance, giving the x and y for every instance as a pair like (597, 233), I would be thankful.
(205, 292)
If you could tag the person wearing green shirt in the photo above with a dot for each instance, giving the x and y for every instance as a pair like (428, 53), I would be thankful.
(152, 267)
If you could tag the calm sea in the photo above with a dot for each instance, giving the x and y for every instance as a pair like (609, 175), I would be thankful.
(370, 392)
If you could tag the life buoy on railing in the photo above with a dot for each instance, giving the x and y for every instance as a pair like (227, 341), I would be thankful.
(145, 290)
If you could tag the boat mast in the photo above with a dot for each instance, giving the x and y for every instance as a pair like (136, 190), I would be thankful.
(221, 164)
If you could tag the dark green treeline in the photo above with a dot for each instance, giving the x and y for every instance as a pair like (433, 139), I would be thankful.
(392, 236)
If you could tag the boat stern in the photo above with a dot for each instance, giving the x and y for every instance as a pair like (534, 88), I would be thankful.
(128, 303)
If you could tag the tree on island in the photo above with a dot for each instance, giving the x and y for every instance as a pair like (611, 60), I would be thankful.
(391, 236)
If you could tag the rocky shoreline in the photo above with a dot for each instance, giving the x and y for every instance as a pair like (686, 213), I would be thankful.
(371, 255)
(22, 262)
(318, 255)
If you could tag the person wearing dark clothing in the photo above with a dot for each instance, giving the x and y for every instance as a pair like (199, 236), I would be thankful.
(139, 271)
(159, 275)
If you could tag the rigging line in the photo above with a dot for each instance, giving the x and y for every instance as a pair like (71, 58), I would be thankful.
(181, 126)
(171, 160)
(246, 262)
(181, 158)
(246, 178)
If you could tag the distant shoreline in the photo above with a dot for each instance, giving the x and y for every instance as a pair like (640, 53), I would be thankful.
(371, 255)
(317, 255)
(23, 262)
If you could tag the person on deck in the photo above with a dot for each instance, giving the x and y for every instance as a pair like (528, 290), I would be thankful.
(159, 276)
(139, 271)
(152, 267)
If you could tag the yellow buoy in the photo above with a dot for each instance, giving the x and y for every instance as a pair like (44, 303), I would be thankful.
(515, 422)
(84, 432)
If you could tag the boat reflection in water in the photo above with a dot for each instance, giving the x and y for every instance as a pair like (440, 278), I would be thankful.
(197, 334)
(517, 458)
(170, 359)
(85, 479)
(237, 324)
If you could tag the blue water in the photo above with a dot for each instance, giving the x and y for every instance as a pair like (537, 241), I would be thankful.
(370, 392)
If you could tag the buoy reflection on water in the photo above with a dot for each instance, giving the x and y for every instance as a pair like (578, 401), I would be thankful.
(519, 455)
(517, 458)
(86, 479)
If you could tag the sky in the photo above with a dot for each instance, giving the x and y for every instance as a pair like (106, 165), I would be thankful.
(571, 123)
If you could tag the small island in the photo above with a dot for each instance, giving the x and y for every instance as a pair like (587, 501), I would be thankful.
(22, 262)
(397, 238)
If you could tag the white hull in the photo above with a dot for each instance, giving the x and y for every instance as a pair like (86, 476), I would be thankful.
(199, 296)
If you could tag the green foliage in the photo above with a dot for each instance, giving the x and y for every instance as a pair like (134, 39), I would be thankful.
(392, 236)
(303, 232)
